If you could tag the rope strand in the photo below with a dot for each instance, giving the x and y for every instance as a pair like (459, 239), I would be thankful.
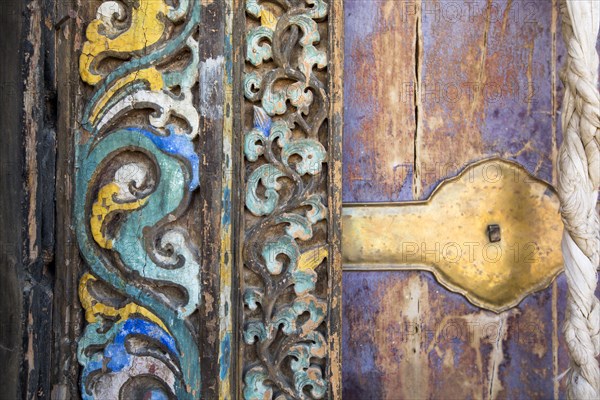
(578, 181)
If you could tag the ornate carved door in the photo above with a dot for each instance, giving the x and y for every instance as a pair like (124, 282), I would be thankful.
(173, 182)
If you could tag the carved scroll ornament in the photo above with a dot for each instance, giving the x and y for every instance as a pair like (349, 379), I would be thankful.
(286, 250)
(136, 169)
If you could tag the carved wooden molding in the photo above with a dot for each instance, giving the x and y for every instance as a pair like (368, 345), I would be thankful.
(290, 274)
(155, 152)
(137, 167)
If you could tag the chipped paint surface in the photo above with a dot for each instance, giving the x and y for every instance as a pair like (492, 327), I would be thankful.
(211, 72)
(479, 93)
(32, 115)
(105, 205)
(136, 170)
(406, 337)
(226, 313)
(146, 29)
(379, 82)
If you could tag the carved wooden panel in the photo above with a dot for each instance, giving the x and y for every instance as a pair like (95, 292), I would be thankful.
(137, 168)
(161, 140)
(290, 270)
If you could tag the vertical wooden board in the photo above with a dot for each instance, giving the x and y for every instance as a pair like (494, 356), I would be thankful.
(405, 337)
(361, 373)
(68, 316)
(335, 197)
(11, 189)
(486, 86)
(212, 201)
(379, 121)
(227, 345)
(27, 94)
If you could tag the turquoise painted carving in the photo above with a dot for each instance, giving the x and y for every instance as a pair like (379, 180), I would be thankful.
(285, 244)
(136, 169)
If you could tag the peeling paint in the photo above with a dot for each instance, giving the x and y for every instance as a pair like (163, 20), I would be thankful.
(211, 72)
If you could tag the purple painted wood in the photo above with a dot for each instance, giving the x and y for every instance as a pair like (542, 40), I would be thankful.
(398, 327)
(405, 337)
(487, 86)
(379, 120)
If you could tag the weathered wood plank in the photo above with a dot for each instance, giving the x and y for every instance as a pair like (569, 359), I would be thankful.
(336, 40)
(68, 315)
(209, 220)
(380, 77)
(27, 239)
(486, 86)
(416, 340)
(11, 185)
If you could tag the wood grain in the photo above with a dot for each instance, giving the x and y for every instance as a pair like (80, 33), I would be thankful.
(27, 238)
(486, 86)
(379, 123)
(11, 217)
(405, 337)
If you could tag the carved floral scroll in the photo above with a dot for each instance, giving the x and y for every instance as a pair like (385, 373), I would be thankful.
(137, 174)
(288, 273)
(137, 166)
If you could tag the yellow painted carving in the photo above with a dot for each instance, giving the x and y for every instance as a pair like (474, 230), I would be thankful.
(94, 307)
(103, 206)
(312, 258)
(492, 233)
(150, 75)
(268, 19)
(146, 28)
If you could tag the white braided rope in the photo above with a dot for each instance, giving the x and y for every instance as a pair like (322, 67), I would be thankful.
(578, 181)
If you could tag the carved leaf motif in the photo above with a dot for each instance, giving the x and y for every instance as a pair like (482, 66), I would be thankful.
(267, 175)
(252, 297)
(273, 249)
(256, 388)
(252, 82)
(255, 329)
(311, 151)
(285, 245)
(258, 48)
